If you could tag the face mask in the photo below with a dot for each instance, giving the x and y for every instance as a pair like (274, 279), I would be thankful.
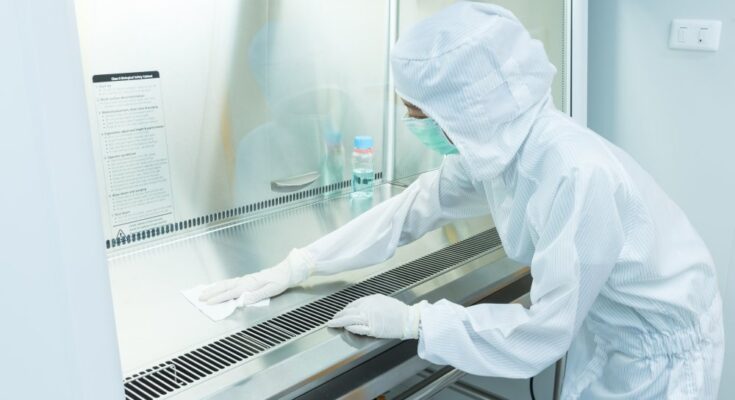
(430, 134)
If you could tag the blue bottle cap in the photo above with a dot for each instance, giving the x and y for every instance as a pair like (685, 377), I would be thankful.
(363, 142)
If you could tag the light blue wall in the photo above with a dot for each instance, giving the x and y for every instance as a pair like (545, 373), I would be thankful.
(674, 111)
(57, 339)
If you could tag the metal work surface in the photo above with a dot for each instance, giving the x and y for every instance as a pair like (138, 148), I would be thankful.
(156, 323)
(383, 373)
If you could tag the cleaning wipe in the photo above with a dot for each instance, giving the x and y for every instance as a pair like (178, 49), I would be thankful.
(217, 312)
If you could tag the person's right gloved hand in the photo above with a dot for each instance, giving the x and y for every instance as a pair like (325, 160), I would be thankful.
(264, 284)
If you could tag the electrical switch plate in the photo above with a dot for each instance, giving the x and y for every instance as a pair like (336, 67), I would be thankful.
(695, 34)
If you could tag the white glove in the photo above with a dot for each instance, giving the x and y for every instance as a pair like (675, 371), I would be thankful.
(381, 317)
(264, 284)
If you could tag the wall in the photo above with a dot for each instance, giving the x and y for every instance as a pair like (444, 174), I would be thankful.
(672, 110)
(58, 333)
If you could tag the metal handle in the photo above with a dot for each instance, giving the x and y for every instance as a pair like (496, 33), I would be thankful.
(294, 183)
(468, 390)
(432, 385)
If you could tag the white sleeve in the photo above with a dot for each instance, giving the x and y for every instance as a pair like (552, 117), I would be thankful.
(433, 200)
(578, 244)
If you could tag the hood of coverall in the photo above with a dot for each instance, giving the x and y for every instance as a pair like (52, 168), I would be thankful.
(477, 72)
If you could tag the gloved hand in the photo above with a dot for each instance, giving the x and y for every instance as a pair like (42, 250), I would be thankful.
(381, 317)
(263, 284)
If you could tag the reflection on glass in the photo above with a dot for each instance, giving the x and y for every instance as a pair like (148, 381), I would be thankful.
(333, 163)
(252, 91)
(305, 71)
(359, 205)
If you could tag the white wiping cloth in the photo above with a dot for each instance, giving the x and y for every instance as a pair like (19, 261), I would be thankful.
(217, 312)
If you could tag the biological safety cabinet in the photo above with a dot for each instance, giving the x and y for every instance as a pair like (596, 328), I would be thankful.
(217, 137)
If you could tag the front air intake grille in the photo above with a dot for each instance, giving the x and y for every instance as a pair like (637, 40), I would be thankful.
(122, 238)
(166, 378)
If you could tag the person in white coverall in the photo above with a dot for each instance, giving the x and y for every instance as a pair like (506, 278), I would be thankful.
(621, 280)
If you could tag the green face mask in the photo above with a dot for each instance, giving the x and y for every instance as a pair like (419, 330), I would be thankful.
(430, 134)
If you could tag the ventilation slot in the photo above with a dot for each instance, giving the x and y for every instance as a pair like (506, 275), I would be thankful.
(123, 238)
(176, 374)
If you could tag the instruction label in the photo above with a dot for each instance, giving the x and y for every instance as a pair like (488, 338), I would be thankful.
(131, 125)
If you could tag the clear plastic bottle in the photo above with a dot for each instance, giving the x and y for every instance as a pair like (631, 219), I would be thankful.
(363, 173)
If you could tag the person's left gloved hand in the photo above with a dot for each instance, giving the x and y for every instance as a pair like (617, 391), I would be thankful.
(381, 317)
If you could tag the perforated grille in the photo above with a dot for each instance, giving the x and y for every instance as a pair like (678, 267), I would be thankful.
(171, 376)
(127, 238)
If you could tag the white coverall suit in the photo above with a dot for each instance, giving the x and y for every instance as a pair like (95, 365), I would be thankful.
(621, 280)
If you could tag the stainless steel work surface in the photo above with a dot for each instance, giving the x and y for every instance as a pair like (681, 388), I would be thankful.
(154, 321)
(158, 329)
(305, 363)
